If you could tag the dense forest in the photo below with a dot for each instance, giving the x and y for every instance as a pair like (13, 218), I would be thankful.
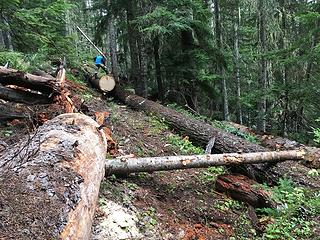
(210, 130)
(253, 62)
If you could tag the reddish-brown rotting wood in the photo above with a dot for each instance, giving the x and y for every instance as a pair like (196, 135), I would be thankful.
(243, 189)
(102, 119)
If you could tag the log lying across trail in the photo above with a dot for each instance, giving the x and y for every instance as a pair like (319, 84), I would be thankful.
(202, 132)
(49, 183)
(276, 142)
(127, 165)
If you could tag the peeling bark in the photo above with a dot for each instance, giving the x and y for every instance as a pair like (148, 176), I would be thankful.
(30, 81)
(49, 183)
(127, 165)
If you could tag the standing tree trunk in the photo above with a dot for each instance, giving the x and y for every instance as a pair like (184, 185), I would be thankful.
(6, 33)
(156, 46)
(284, 124)
(113, 49)
(142, 85)
(262, 106)
(236, 27)
(221, 67)
(134, 50)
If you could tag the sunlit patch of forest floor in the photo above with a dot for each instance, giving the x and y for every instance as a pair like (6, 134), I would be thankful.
(171, 204)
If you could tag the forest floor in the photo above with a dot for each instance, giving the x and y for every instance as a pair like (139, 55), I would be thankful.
(161, 205)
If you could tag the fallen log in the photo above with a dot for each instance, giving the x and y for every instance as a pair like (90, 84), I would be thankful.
(49, 183)
(8, 113)
(100, 81)
(125, 165)
(20, 96)
(46, 85)
(276, 142)
(202, 132)
(243, 189)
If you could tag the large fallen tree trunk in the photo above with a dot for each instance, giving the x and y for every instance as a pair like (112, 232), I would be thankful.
(125, 165)
(225, 142)
(49, 184)
(46, 85)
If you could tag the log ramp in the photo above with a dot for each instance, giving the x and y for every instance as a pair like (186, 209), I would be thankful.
(49, 183)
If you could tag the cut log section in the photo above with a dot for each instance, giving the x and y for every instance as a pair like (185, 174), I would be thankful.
(49, 184)
(202, 132)
(125, 165)
(105, 83)
(100, 81)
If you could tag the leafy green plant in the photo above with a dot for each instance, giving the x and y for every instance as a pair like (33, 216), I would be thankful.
(211, 173)
(16, 60)
(234, 131)
(183, 145)
(316, 133)
(292, 217)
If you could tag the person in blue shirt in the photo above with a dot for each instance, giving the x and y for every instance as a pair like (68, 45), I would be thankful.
(100, 62)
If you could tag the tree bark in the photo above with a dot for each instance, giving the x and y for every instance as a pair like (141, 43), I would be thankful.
(132, 38)
(49, 183)
(278, 143)
(221, 67)
(156, 46)
(236, 63)
(245, 190)
(26, 80)
(20, 96)
(127, 165)
(262, 105)
(113, 49)
(202, 132)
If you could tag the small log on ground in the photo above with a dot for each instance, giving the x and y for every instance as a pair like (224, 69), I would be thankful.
(49, 184)
(243, 189)
(125, 165)
(37, 83)
(277, 142)
(202, 132)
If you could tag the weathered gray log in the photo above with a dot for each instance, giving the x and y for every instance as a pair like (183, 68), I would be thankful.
(276, 142)
(20, 96)
(49, 183)
(127, 165)
(42, 84)
(202, 132)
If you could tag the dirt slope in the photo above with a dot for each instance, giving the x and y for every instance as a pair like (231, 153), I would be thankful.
(163, 205)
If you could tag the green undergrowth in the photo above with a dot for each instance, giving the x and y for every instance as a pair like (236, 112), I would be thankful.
(183, 145)
(295, 214)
